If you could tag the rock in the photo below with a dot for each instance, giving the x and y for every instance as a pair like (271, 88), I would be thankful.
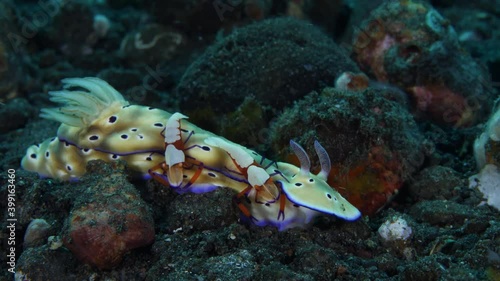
(425, 269)
(108, 219)
(409, 44)
(435, 182)
(442, 212)
(15, 114)
(41, 263)
(36, 233)
(70, 29)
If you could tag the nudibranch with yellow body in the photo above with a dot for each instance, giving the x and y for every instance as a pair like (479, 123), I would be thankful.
(98, 123)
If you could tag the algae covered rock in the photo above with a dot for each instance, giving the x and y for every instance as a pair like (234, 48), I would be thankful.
(273, 62)
(435, 183)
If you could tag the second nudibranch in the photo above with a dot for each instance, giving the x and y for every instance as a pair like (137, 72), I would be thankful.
(98, 123)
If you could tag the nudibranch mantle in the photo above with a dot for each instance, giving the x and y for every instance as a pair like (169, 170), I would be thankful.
(98, 123)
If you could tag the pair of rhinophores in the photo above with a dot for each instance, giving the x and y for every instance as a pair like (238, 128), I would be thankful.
(98, 123)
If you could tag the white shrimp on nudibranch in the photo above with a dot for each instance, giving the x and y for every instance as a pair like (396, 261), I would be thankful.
(174, 155)
(259, 181)
(98, 123)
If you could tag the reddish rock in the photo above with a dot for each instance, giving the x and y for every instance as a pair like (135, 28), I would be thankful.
(108, 220)
(410, 45)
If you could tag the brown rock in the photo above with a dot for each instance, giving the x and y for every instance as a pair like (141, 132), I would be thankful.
(108, 220)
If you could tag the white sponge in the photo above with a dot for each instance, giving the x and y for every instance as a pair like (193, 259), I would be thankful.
(488, 182)
(395, 229)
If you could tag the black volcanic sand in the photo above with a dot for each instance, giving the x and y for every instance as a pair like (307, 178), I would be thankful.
(201, 236)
